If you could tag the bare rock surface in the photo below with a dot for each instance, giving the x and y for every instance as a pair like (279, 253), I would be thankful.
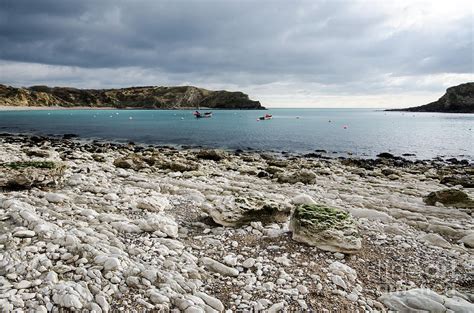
(211, 235)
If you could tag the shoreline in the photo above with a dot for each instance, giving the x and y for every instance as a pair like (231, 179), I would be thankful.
(161, 228)
(58, 108)
(314, 153)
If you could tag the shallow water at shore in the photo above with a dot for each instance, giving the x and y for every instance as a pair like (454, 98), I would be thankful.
(362, 132)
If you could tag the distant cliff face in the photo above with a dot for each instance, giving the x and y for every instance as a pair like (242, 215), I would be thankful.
(457, 99)
(133, 97)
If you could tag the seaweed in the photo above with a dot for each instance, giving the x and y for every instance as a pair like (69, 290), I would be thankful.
(321, 217)
(28, 164)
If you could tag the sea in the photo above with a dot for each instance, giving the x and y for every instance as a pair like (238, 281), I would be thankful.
(340, 132)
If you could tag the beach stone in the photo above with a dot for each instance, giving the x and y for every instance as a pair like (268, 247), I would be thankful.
(329, 229)
(218, 267)
(302, 199)
(468, 240)
(156, 204)
(415, 300)
(159, 222)
(55, 197)
(302, 176)
(435, 240)
(111, 264)
(450, 197)
(237, 211)
(215, 303)
(24, 233)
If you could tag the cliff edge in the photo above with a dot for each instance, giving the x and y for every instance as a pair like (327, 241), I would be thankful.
(457, 99)
(149, 97)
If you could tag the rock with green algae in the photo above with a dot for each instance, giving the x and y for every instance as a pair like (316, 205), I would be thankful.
(29, 174)
(450, 197)
(326, 228)
(237, 211)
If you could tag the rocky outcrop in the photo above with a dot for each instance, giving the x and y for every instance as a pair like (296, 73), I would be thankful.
(329, 229)
(29, 174)
(150, 97)
(457, 99)
(425, 300)
(232, 211)
(450, 197)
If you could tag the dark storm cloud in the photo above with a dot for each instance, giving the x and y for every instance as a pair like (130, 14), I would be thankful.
(325, 42)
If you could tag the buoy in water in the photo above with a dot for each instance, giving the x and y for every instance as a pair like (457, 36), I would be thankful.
(345, 126)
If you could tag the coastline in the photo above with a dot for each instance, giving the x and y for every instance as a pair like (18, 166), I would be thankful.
(55, 108)
(162, 226)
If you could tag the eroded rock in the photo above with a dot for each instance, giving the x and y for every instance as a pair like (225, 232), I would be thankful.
(327, 228)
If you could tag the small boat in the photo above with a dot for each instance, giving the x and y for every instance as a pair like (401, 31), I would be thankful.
(198, 114)
(265, 117)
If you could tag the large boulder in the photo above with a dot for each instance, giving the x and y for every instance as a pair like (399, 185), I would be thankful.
(329, 229)
(467, 181)
(231, 211)
(29, 174)
(215, 155)
(302, 176)
(132, 161)
(424, 300)
(450, 197)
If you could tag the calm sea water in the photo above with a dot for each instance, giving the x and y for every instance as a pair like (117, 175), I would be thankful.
(361, 132)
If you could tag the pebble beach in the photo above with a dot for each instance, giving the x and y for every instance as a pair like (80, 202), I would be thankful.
(103, 227)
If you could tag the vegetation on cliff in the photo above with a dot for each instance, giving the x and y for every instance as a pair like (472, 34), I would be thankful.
(457, 99)
(150, 97)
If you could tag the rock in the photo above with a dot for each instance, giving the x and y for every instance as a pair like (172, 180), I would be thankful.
(160, 222)
(156, 204)
(24, 234)
(215, 155)
(29, 174)
(386, 155)
(343, 270)
(450, 197)
(104, 305)
(338, 281)
(215, 303)
(111, 264)
(55, 197)
(304, 176)
(177, 166)
(327, 228)
(38, 153)
(468, 240)
(302, 199)
(131, 161)
(277, 307)
(218, 267)
(466, 181)
(435, 240)
(231, 211)
(24, 284)
(415, 300)
(248, 263)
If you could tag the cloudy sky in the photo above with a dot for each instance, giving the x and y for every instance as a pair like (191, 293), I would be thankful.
(284, 53)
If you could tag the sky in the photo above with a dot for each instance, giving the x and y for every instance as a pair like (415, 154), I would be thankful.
(315, 53)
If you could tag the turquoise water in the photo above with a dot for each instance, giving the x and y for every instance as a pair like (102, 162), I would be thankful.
(367, 132)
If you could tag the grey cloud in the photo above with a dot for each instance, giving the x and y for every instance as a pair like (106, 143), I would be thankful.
(332, 43)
